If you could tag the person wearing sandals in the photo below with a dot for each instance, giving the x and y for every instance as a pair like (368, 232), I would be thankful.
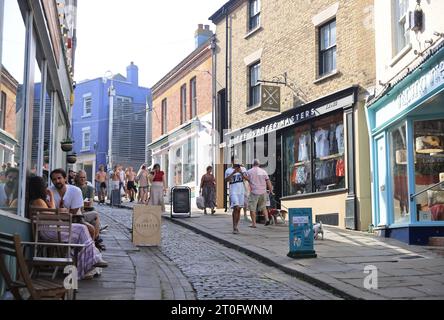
(208, 190)
(89, 259)
(235, 176)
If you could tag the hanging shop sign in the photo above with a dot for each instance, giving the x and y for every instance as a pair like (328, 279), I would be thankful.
(431, 80)
(271, 98)
(289, 119)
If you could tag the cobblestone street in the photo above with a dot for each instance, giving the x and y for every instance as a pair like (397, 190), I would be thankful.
(217, 272)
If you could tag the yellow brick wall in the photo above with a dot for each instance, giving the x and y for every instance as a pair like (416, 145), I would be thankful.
(289, 42)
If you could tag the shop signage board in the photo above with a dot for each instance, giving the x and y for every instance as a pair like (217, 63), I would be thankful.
(430, 81)
(271, 98)
(301, 234)
(147, 225)
(298, 115)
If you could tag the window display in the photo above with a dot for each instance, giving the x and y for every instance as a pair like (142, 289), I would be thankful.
(398, 161)
(429, 166)
(329, 156)
(325, 163)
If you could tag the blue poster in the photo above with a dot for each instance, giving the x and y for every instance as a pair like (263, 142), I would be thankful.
(301, 233)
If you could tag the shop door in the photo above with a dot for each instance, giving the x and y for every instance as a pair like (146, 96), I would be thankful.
(381, 192)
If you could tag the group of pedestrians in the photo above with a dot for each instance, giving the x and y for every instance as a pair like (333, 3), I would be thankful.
(254, 181)
(147, 185)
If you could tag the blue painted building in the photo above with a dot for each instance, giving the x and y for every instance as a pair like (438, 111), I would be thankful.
(130, 122)
(407, 139)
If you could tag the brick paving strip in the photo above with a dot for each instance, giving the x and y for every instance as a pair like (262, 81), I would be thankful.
(133, 273)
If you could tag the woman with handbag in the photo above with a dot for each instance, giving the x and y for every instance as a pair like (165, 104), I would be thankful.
(208, 190)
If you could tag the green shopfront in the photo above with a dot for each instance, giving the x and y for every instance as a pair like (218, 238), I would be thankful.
(407, 150)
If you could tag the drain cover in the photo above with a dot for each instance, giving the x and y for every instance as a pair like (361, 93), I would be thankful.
(411, 257)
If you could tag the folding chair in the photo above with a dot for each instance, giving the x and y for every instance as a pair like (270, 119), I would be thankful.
(11, 246)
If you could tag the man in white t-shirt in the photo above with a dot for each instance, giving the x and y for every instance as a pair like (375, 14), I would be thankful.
(236, 176)
(68, 196)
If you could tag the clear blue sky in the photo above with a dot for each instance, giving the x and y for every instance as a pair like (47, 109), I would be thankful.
(156, 35)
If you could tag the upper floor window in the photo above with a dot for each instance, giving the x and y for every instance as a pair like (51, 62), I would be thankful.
(164, 116)
(254, 14)
(183, 104)
(193, 94)
(2, 110)
(402, 36)
(327, 48)
(86, 139)
(254, 85)
(87, 105)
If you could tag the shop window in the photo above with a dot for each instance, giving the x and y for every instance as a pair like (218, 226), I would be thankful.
(329, 171)
(254, 12)
(398, 163)
(314, 157)
(12, 63)
(297, 161)
(429, 166)
(327, 48)
(178, 167)
(189, 163)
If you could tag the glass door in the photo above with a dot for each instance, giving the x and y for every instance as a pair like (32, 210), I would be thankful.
(381, 184)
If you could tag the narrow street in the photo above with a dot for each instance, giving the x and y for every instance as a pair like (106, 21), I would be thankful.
(186, 260)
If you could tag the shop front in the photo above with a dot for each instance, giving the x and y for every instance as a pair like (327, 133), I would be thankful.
(313, 162)
(407, 143)
(184, 154)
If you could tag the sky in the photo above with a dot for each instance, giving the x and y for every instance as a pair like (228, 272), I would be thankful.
(155, 35)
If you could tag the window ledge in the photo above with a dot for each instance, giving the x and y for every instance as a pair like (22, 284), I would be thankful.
(327, 76)
(14, 216)
(400, 55)
(253, 108)
(314, 194)
(253, 31)
(85, 150)
(86, 116)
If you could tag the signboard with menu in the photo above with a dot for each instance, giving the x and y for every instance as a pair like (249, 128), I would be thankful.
(147, 225)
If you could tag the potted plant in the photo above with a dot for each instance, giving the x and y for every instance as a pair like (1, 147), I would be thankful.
(67, 144)
(71, 158)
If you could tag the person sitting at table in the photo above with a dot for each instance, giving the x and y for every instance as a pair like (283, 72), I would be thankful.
(89, 258)
(68, 196)
(91, 216)
(9, 189)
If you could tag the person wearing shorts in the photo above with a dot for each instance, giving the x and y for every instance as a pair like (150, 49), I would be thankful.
(235, 176)
(259, 182)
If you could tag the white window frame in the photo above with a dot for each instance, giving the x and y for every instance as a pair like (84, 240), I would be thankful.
(251, 86)
(254, 14)
(86, 131)
(401, 25)
(87, 97)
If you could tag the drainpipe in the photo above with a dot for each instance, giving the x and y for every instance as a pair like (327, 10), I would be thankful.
(214, 143)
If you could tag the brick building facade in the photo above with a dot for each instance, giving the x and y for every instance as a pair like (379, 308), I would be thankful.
(282, 44)
(182, 117)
